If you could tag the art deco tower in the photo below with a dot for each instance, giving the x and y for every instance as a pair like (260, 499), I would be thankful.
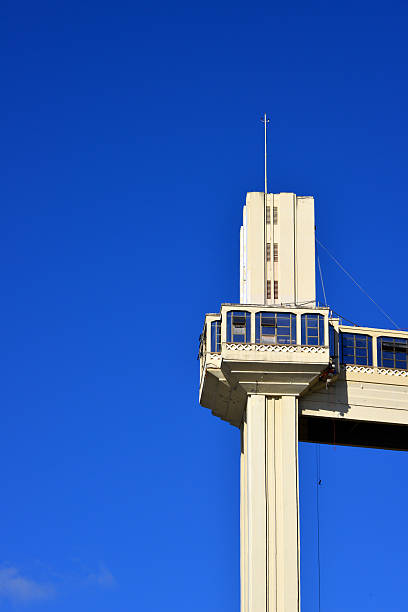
(280, 368)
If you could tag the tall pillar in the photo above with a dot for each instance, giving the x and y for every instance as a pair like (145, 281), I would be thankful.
(269, 506)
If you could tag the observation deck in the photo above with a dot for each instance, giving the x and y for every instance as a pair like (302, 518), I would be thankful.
(337, 371)
(260, 350)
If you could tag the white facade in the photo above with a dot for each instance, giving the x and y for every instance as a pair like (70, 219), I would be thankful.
(277, 249)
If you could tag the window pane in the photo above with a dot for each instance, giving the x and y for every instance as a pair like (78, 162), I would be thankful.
(392, 352)
(215, 336)
(347, 359)
(361, 361)
(268, 331)
(388, 363)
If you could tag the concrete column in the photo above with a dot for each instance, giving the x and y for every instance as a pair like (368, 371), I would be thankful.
(244, 520)
(269, 494)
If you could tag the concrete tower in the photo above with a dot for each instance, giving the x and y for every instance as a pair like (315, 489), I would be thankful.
(278, 250)
(276, 366)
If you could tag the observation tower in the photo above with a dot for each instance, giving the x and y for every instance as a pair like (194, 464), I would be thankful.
(282, 369)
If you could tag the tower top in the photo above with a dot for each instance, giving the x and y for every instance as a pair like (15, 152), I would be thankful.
(278, 250)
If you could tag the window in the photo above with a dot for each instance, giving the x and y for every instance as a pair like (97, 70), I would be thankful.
(332, 342)
(275, 252)
(268, 251)
(215, 336)
(392, 353)
(268, 214)
(275, 215)
(275, 290)
(275, 328)
(268, 289)
(238, 326)
(356, 349)
(313, 329)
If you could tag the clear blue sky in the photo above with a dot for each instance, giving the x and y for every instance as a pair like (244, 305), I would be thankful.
(130, 135)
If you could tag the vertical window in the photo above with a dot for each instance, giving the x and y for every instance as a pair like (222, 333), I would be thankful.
(268, 289)
(215, 336)
(275, 252)
(275, 328)
(238, 326)
(313, 329)
(356, 349)
(268, 214)
(332, 342)
(275, 215)
(392, 353)
(268, 251)
(275, 290)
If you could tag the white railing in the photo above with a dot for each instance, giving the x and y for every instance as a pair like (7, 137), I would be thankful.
(356, 369)
(274, 348)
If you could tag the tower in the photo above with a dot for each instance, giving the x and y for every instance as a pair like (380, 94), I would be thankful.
(282, 369)
(277, 250)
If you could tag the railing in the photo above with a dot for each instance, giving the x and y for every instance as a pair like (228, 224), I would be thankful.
(274, 348)
(358, 369)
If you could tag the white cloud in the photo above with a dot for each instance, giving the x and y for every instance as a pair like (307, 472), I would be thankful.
(18, 588)
(103, 578)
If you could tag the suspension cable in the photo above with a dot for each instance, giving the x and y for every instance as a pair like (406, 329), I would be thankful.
(318, 483)
(321, 276)
(357, 284)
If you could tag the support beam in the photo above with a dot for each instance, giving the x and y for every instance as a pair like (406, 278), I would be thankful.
(269, 506)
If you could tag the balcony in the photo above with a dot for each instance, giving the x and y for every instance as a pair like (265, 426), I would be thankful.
(260, 349)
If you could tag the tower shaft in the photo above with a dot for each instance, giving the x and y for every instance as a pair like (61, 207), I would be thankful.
(269, 505)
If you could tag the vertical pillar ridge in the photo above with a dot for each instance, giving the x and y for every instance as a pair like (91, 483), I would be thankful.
(269, 506)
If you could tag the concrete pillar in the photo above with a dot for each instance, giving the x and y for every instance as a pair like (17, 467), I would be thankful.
(269, 506)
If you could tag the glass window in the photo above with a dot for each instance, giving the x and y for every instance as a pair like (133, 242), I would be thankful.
(356, 349)
(275, 328)
(238, 326)
(392, 353)
(332, 342)
(215, 336)
(313, 329)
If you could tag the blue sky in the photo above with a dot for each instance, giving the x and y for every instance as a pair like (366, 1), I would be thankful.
(130, 135)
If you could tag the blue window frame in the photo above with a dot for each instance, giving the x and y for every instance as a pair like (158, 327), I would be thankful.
(332, 342)
(238, 326)
(275, 328)
(356, 349)
(392, 352)
(313, 329)
(215, 336)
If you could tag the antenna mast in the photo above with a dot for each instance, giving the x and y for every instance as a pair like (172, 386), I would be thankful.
(267, 291)
(265, 121)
